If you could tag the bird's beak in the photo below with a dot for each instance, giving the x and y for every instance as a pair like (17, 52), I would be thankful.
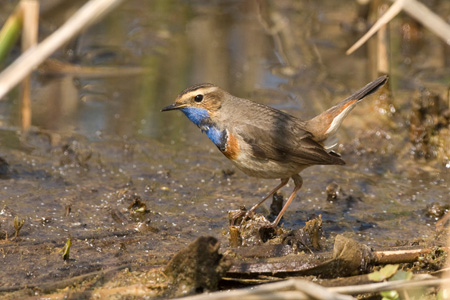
(173, 106)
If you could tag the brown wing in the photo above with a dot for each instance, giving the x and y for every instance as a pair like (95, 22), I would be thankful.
(275, 135)
(285, 141)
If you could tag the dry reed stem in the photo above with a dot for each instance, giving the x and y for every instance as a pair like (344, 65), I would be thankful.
(383, 46)
(388, 286)
(289, 289)
(30, 27)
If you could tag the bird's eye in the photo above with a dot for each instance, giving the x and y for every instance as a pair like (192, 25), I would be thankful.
(198, 98)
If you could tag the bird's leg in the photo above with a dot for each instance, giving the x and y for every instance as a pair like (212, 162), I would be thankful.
(298, 181)
(250, 212)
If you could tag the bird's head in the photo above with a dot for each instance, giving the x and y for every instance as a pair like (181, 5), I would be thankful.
(199, 103)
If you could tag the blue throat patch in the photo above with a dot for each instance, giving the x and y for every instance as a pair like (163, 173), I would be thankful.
(200, 117)
(197, 115)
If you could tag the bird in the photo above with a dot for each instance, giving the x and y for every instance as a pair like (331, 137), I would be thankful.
(265, 142)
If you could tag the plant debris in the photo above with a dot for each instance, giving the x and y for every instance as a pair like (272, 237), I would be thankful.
(196, 268)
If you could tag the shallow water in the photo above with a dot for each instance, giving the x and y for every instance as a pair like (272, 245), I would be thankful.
(97, 139)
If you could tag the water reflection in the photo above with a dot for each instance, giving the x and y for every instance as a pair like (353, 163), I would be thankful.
(238, 45)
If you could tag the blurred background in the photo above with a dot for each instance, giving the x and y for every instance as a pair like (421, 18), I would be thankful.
(98, 139)
(289, 54)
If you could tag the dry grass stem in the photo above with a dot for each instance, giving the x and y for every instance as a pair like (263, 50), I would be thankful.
(389, 285)
(289, 289)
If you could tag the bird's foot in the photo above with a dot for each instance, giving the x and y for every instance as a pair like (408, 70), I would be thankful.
(248, 215)
(272, 225)
(237, 216)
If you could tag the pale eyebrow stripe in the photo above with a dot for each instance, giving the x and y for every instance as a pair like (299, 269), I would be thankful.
(207, 86)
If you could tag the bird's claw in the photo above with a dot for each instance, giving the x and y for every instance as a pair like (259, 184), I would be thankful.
(238, 218)
(247, 216)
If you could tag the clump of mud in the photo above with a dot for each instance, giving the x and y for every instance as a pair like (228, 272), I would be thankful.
(197, 268)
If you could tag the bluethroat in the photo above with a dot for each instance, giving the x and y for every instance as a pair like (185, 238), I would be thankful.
(265, 142)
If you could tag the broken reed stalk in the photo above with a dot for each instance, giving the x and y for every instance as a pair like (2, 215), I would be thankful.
(30, 9)
(416, 10)
(21, 67)
(294, 267)
(383, 20)
(402, 256)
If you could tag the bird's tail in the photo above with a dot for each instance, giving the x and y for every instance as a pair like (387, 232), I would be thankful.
(325, 125)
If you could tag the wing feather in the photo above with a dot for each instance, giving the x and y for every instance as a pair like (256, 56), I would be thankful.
(274, 135)
(286, 145)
